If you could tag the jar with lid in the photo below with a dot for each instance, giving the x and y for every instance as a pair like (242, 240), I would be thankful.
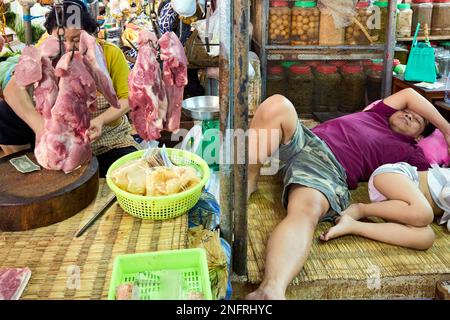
(329, 34)
(301, 88)
(352, 88)
(422, 13)
(276, 81)
(305, 23)
(440, 24)
(374, 80)
(338, 64)
(404, 20)
(326, 84)
(379, 30)
(279, 22)
(353, 33)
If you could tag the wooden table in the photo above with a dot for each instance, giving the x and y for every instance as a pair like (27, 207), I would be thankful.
(432, 95)
(435, 96)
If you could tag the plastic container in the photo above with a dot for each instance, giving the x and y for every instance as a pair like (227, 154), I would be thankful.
(301, 88)
(353, 33)
(379, 34)
(440, 24)
(422, 13)
(163, 275)
(352, 88)
(374, 80)
(338, 63)
(279, 22)
(161, 207)
(404, 20)
(329, 35)
(327, 88)
(305, 23)
(276, 81)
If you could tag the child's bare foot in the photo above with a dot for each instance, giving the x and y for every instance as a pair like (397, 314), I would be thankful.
(354, 211)
(343, 227)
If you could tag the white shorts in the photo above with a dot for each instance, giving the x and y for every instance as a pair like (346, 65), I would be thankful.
(401, 168)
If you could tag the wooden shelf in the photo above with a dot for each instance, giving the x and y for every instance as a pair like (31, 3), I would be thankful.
(422, 38)
(322, 54)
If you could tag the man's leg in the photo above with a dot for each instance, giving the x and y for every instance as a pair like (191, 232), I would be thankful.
(276, 113)
(290, 243)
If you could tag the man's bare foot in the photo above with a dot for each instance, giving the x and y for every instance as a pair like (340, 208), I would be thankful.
(343, 227)
(354, 211)
(265, 294)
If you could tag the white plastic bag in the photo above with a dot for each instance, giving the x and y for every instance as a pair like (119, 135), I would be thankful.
(213, 32)
(343, 11)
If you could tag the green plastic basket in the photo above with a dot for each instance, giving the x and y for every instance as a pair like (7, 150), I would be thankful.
(191, 264)
(161, 207)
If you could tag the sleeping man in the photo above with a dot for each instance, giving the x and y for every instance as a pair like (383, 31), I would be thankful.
(319, 166)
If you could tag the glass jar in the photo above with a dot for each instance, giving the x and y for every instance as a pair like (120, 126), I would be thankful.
(329, 34)
(301, 88)
(305, 23)
(440, 24)
(276, 81)
(374, 80)
(422, 13)
(326, 84)
(338, 64)
(352, 88)
(279, 22)
(379, 30)
(366, 65)
(353, 33)
(404, 20)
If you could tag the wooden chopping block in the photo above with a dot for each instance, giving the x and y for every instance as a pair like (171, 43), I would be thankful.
(40, 198)
(443, 290)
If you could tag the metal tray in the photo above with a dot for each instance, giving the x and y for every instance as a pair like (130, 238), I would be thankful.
(202, 107)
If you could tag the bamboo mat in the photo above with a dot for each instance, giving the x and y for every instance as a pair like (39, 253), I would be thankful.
(55, 256)
(345, 267)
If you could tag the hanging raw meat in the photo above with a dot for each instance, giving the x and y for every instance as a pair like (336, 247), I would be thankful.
(64, 143)
(29, 68)
(147, 97)
(174, 76)
(46, 90)
(95, 61)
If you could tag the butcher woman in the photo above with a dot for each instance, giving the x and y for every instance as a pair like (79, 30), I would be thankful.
(110, 130)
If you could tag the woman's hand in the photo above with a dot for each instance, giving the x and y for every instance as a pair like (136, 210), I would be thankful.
(95, 130)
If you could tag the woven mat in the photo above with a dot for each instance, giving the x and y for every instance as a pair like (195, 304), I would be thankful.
(345, 266)
(55, 256)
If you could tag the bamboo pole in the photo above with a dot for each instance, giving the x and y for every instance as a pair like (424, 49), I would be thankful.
(27, 25)
(390, 48)
(240, 39)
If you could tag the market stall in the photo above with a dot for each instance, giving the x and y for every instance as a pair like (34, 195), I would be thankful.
(152, 201)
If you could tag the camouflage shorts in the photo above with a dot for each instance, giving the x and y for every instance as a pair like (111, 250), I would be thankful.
(306, 160)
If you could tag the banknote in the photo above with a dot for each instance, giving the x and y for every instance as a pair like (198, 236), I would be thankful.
(24, 164)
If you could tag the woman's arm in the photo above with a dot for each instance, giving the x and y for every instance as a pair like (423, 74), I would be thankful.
(20, 101)
(412, 100)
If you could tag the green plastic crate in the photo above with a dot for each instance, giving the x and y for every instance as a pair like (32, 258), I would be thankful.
(189, 264)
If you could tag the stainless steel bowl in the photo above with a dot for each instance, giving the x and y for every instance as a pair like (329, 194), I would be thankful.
(202, 107)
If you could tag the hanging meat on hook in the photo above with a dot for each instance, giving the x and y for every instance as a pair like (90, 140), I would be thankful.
(64, 143)
(147, 97)
(174, 77)
(95, 61)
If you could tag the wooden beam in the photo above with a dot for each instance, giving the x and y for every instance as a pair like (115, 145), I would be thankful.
(240, 39)
(390, 48)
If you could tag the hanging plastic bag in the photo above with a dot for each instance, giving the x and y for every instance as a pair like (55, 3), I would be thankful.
(343, 11)
(210, 27)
